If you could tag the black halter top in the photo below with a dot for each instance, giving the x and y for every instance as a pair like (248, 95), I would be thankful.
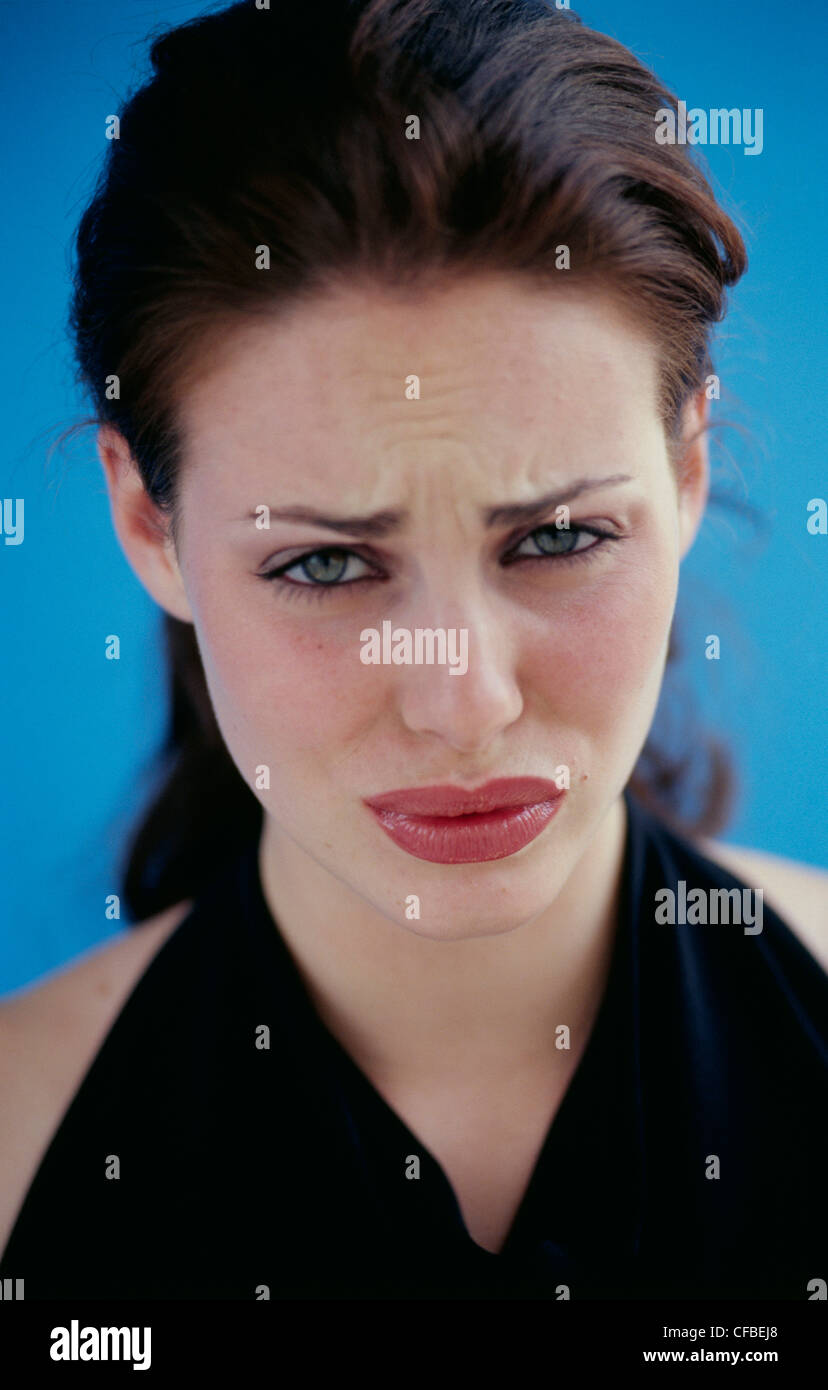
(686, 1160)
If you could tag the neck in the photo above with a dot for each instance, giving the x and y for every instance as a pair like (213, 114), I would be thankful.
(401, 1003)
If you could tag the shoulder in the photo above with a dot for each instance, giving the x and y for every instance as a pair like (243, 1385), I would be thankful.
(798, 893)
(50, 1032)
(93, 980)
(77, 1001)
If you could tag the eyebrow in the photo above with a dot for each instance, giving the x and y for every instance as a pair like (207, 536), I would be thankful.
(383, 523)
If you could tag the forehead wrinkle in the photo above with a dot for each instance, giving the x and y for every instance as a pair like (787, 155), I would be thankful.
(505, 424)
(448, 401)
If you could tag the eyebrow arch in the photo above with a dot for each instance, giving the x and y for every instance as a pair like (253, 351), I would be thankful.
(383, 523)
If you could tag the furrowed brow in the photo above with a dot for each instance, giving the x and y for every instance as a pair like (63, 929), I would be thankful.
(380, 524)
(512, 514)
(371, 527)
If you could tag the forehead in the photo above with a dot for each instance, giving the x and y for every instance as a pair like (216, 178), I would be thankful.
(491, 365)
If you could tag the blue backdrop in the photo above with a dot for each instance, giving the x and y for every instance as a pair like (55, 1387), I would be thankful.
(78, 732)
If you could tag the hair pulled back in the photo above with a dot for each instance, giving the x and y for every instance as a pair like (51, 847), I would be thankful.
(290, 127)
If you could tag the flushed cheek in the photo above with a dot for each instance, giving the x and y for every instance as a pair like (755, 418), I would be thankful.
(286, 697)
(602, 660)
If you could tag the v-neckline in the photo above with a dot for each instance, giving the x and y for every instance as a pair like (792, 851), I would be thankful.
(601, 1049)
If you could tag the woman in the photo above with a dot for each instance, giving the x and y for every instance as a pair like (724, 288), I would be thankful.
(396, 317)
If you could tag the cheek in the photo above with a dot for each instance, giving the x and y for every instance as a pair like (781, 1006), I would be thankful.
(608, 645)
(282, 695)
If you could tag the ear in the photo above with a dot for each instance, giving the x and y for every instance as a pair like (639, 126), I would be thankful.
(141, 526)
(693, 469)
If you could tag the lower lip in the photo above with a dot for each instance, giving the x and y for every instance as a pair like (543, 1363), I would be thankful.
(468, 839)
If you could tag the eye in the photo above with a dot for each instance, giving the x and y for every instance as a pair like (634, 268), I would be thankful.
(317, 573)
(552, 542)
(326, 568)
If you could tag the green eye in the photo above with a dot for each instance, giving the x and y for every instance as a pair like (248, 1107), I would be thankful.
(553, 541)
(550, 542)
(319, 572)
(325, 566)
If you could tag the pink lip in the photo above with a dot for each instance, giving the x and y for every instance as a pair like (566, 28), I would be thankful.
(447, 825)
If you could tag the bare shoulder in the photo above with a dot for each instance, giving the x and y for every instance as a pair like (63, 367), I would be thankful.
(797, 892)
(50, 1032)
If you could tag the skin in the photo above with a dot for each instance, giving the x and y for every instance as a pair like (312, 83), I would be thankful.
(452, 1016)
(522, 393)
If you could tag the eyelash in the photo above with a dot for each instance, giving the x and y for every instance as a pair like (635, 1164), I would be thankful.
(311, 589)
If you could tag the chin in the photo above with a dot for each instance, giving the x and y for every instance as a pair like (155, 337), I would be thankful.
(477, 909)
(465, 929)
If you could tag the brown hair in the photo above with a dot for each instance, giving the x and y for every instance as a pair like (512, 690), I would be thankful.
(290, 128)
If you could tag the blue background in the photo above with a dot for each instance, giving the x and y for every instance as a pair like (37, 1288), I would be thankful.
(78, 732)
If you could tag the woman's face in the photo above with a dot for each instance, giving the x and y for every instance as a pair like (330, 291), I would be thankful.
(523, 395)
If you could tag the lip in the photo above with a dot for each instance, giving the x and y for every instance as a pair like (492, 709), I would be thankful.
(450, 825)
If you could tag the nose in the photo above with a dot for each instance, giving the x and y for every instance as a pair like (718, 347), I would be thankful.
(466, 711)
